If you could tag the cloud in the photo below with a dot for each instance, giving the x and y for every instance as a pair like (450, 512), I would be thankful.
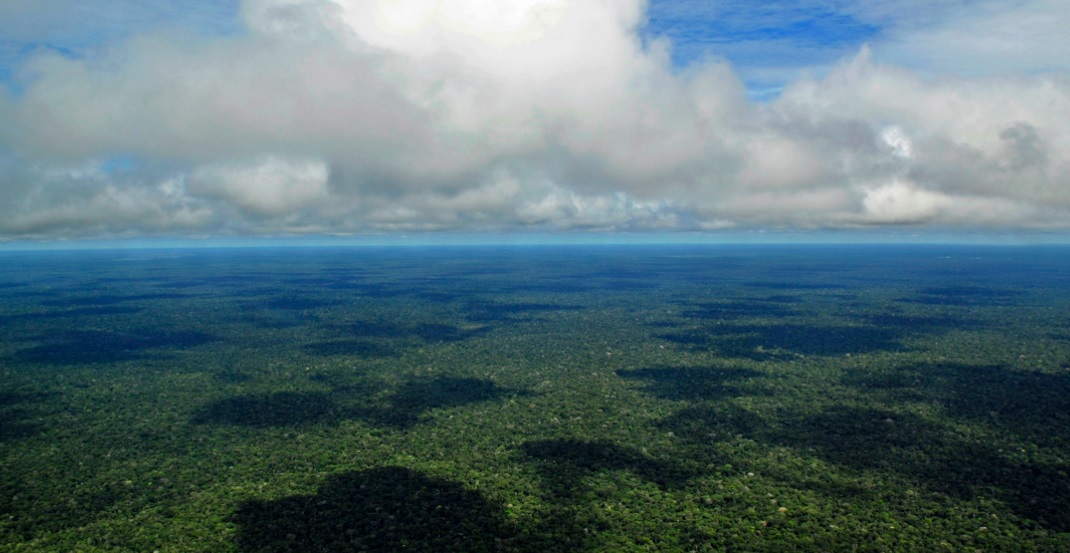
(999, 137)
(346, 117)
(269, 186)
(984, 38)
(83, 200)
(899, 202)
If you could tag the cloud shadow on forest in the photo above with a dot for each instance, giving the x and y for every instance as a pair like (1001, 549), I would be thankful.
(97, 346)
(401, 407)
(384, 509)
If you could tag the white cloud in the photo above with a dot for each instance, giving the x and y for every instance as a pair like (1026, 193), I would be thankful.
(899, 202)
(76, 201)
(561, 208)
(898, 141)
(779, 162)
(346, 116)
(268, 186)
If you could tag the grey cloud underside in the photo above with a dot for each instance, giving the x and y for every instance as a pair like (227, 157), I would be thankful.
(354, 117)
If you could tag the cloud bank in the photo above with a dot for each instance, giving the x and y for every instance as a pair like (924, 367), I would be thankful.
(371, 116)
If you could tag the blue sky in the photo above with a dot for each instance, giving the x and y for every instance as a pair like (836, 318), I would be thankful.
(767, 41)
(235, 120)
(77, 29)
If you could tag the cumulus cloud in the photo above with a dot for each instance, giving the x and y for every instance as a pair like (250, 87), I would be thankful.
(84, 200)
(345, 116)
(270, 186)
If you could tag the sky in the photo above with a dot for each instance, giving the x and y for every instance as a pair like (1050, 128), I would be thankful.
(224, 119)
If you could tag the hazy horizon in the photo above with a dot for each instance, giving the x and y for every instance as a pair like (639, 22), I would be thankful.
(564, 240)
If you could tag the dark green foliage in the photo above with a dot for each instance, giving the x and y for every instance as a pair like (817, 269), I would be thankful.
(275, 409)
(385, 509)
(408, 404)
(76, 313)
(109, 299)
(536, 399)
(497, 312)
(18, 414)
(358, 348)
(791, 285)
(963, 295)
(97, 346)
(739, 309)
(691, 383)
(400, 406)
(428, 332)
(565, 464)
(297, 303)
(762, 341)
